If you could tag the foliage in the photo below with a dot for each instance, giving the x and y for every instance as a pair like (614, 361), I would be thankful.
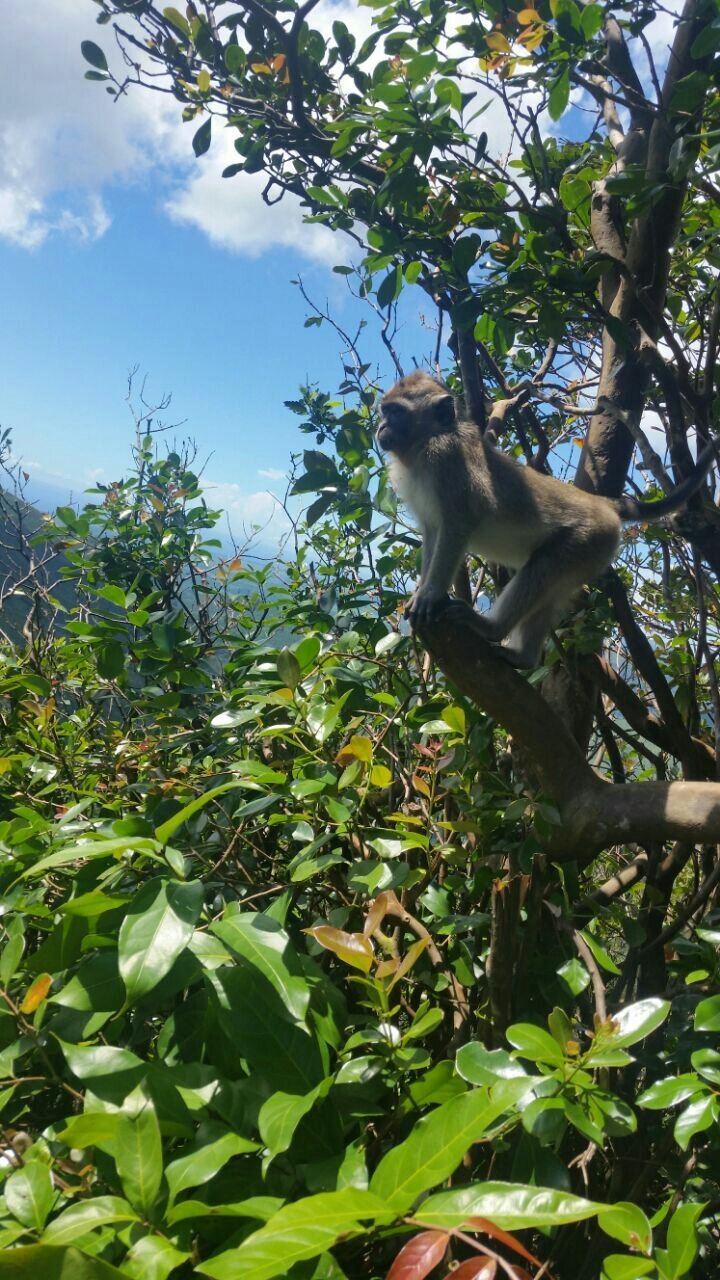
(303, 973)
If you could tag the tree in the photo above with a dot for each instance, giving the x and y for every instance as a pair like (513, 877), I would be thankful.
(298, 927)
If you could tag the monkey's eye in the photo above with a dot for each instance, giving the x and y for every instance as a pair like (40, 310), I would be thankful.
(395, 413)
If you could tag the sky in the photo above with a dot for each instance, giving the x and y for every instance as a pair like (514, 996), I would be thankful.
(119, 249)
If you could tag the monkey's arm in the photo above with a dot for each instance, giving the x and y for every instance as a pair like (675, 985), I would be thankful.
(440, 565)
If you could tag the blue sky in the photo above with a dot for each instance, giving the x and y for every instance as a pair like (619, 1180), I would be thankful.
(118, 248)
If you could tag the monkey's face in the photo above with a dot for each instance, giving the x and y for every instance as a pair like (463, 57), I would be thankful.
(395, 433)
(415, 409)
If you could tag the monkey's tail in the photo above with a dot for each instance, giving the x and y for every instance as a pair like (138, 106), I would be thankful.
(633, 509)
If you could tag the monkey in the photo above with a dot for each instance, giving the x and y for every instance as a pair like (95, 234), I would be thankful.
(470, 496)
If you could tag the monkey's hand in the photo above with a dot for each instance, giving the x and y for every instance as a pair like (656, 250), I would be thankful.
(424, 605)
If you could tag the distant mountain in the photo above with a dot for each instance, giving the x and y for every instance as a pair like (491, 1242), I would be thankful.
(16, 603)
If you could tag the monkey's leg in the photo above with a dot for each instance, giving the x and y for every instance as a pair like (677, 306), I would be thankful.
(447, 552)
(541, 588)
(429, 536)
(524, 645)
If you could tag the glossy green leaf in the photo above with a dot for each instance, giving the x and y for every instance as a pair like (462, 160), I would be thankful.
(707, 1063)
(559, 96)
(479, 1065)
(683, 1244)
(638, 1020)
(167, 829)
(138, 1156)
(627, 1223)
(435, 1147)
(280, 1116)
(534, 1043)
(156, 929)
(201, 1164)
(153, 1258)
(46, 1262)
(507, 1205)
(707, 1014)
(668, 1092)
(698, 1116)
(297, 1232)
(261, 942)
(29, 1194)
(84, 1216)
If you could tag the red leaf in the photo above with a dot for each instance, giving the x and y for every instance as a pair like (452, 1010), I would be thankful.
(474, 1269)
(512, 1242)
(418, 1257)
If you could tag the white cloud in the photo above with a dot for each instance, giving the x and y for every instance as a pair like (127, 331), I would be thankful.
(64, 143)
(272, 474)
(62, 138)
(247, 512)
(231, 212)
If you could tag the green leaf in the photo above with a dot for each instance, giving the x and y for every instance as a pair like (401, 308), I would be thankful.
(700, 1115)
(707, 1063)
(670, 1091)
(280, 1116)
(261, 942)
(599, 953)
(168, 828)
(682, 1240)
(110, 659)
(152, 1258)
(89, 850)
(574, 975)
(93, 1062)
(390, 288)
(93, 54)
(201, 1164)
(559, 96)
(478, 1065)
(235, 60)
(138, 1156)
(288, 668)
(707, 1014)
(85, 1216)
(155, 931)
(29, 1194)
(507, 1205)
(178, 21)
(618, 1266)
(435, 1147)
(299, 1231)
(45, 1262)
(534, 1043)
(201, 140)
(637, 1021)
(278, 1046)
(627, 1223)
(545, 1119)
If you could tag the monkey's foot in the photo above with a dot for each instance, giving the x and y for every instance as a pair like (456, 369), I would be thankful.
(422, 607)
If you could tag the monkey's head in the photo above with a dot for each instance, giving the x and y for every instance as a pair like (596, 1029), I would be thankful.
(415, 409)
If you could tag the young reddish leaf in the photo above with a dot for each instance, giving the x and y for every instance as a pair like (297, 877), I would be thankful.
(352, 948)
(375, 915)
(36, 993)
(412, 954)
(419, 1256)
(512, 1242)
(474, 1269)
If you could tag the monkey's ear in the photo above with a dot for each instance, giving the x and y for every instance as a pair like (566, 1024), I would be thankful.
(445, 410)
